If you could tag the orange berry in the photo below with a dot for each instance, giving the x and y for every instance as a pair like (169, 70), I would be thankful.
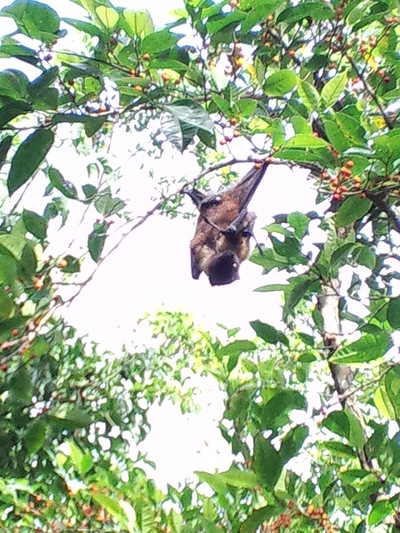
(291, 53)
(38, 284)
(15, 332)
(324, 175)
(138, 88)
(62, 263)
(236, 133)
(233, 3)
(270, 18)
(386, 79)
(132, 72)
(233, 121)
(146, 57)
(310, 509)
(165, 77)
(350, 164)
(177, 81)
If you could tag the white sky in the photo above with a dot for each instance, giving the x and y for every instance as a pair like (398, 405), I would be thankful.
(151, 269)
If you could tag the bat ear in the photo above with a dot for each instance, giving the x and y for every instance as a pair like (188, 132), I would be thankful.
(196, 196)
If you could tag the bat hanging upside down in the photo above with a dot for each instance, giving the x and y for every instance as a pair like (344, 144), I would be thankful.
(224, 228)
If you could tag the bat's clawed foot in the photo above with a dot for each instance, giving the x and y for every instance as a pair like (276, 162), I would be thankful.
(196, 196)
(231, 230)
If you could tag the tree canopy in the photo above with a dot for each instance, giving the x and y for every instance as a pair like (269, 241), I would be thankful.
(308, 84)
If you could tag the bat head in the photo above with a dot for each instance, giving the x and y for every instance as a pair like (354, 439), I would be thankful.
(223, 268)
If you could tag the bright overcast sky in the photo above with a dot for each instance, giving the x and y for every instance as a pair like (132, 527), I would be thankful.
(151, 269)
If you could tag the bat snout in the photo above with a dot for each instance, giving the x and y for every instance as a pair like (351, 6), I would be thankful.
(223, 268)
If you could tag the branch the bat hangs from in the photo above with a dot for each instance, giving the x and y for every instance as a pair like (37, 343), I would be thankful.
(222, 238)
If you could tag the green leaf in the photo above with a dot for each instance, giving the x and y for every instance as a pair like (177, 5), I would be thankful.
(28, 157)
(280, 83)
(34, 19)
(107, 205)
(17, 51)
(181, 121)
(237, 346)
(275, 413)
(352, 209)
(338, 423)
(366, 256)
(35, 224)
(302, 140)
(35, 436)
(258, 13)
(293, 442)
(333, 89)
(393, 313)
(299, 223)
(247, 107)
(272, 288)
(13, 110)
(267, 463)
(67, 188)
(308, 95)
(28, 263)
(8, 273)
(89, 191)
(76, 455)
(379, 511)
(301, 125)
(5, 145)
(159, 41)
(269, 333)
(383, 403)
(367, 348)
(257, 517)
(356, 436)
(13, 84)
(240, 401)
(297, 289)
(336, 136)
(71, 419)
(139, 22)
(230, 21)
(300, 155)
(108, 16)
(96, 240)
(21, 384)
(314, 10)
(238, 478)
(114, 507)
(42, 82)
(85, 27)
(7, 306)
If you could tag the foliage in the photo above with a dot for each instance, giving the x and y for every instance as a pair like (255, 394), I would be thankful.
(308, 83)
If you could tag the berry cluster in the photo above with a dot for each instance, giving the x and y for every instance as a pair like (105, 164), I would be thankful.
(343, 181)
